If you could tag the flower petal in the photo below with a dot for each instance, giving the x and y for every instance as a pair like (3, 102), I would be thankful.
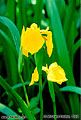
(22, 36)
(45, 68)
(31, 39)
(49, 43)
(33, 26)
(25, 52)
(56, 74)
(35, 77)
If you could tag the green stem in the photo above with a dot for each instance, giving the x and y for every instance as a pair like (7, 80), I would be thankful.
(25, 92)
(54, 109)
(41, 99)
(54, 104)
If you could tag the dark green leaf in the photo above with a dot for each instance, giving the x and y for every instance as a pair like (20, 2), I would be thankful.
(17, 98)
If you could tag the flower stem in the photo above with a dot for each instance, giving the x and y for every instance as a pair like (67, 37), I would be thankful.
(25, 92)
(54, 109)
(54, 105)
(41, 99)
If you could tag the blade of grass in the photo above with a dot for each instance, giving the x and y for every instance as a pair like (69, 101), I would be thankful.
(17, 98)
(62, 51)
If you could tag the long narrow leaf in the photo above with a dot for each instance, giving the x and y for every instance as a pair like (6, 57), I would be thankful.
(22, 12)
(7, 111)
(76, 46)
(13, 30)
(68, 19)
(71, 89)
(38, 9)
(17, 98)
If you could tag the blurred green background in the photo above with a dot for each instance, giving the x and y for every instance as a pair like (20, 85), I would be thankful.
(63, 19)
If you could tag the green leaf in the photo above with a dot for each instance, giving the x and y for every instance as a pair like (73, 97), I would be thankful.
(72, 36)
(21, 15)
(51, 90)
(38, 8)
(17, 98)
(13, 30)
(52, 94)
(34, 102)
(22, 12)
(20, 85)
(7, 111)
(68, 19)
(10, 56)
(39, 60)
(35, 111)
(76, 46)
(62, 50)
(11, 9)
(7, 40)
(71, 89)
(1, 49)
(61, 8)
(62, 100)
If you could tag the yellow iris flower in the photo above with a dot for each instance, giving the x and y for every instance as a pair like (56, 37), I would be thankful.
(55, 73)
(33, 39)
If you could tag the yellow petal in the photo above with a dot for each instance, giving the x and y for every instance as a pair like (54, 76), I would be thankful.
(45, 68)
(31, 83)
(31, 39)
(35, 77)
(49, 43)
(25, 52)
(22, 36)
(56, 74)
(53, 65)
(33, 26)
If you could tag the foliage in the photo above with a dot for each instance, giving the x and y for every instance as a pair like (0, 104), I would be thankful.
(63, 20)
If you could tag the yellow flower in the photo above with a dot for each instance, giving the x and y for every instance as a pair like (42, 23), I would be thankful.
(33, 39)
(35, 77)
(55, 73)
